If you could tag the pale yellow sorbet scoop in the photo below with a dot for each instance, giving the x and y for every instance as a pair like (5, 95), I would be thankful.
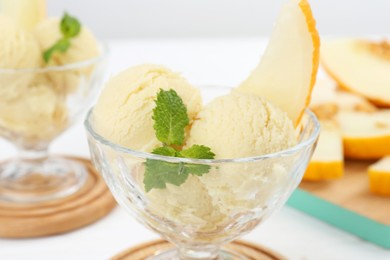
(123, 113)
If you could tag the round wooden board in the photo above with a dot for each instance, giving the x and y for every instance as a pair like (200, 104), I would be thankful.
(249, 250)
(86, 206)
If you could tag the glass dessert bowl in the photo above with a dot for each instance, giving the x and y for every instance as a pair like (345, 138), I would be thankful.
(206, 211)
(37, 105)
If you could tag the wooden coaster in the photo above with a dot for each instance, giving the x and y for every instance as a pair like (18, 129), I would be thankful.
(86, 206)
(249, 250)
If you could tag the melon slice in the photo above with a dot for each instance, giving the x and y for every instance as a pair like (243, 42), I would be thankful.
(379, 175)
(338, 101)
(287, 71)
(360, 66)
(365, 135)
(351, 102)
(26, 13)
(323, 91)
(327, 161)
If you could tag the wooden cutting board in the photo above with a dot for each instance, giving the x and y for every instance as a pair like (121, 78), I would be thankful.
(348, 204)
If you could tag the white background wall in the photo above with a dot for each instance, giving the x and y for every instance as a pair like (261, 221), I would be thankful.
(218, 18)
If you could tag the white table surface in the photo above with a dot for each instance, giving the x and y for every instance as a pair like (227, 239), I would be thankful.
(202, 61)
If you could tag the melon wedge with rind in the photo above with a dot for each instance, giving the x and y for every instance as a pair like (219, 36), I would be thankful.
(25, 13)
(360, 66)
(287, 71)
(379, 175)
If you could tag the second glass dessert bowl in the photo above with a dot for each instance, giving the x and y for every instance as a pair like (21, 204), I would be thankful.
(37, 105)
(208, 211)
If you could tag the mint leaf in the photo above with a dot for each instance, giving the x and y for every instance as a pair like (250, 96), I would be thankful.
(48, 53)
(60, 46)
(166, 151)
(70, 26)
(197, 152)
(170, 118)
(159, 173)
(197, 169)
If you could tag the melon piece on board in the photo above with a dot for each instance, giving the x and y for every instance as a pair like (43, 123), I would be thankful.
(365, 135)
(327, 161)
(379, 175)
(287, 71)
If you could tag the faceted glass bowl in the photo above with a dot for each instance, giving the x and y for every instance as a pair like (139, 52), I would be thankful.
(37, 105)
(206, 211)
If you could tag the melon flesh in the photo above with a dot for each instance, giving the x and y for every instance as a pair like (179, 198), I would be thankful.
(329, 146)
(285, 73)
(379, 175)
(327, 101)
(382, 165)
(365, 135)
(327, 161)
(360, 66)
(364, 125)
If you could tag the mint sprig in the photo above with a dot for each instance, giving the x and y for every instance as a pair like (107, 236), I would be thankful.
(170, 120)
(159, 173)
(197, 152)
(166, 151)
(70, 27)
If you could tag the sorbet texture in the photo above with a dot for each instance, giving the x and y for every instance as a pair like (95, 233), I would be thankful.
(242, 125)
(19, 50)
(123, 113)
